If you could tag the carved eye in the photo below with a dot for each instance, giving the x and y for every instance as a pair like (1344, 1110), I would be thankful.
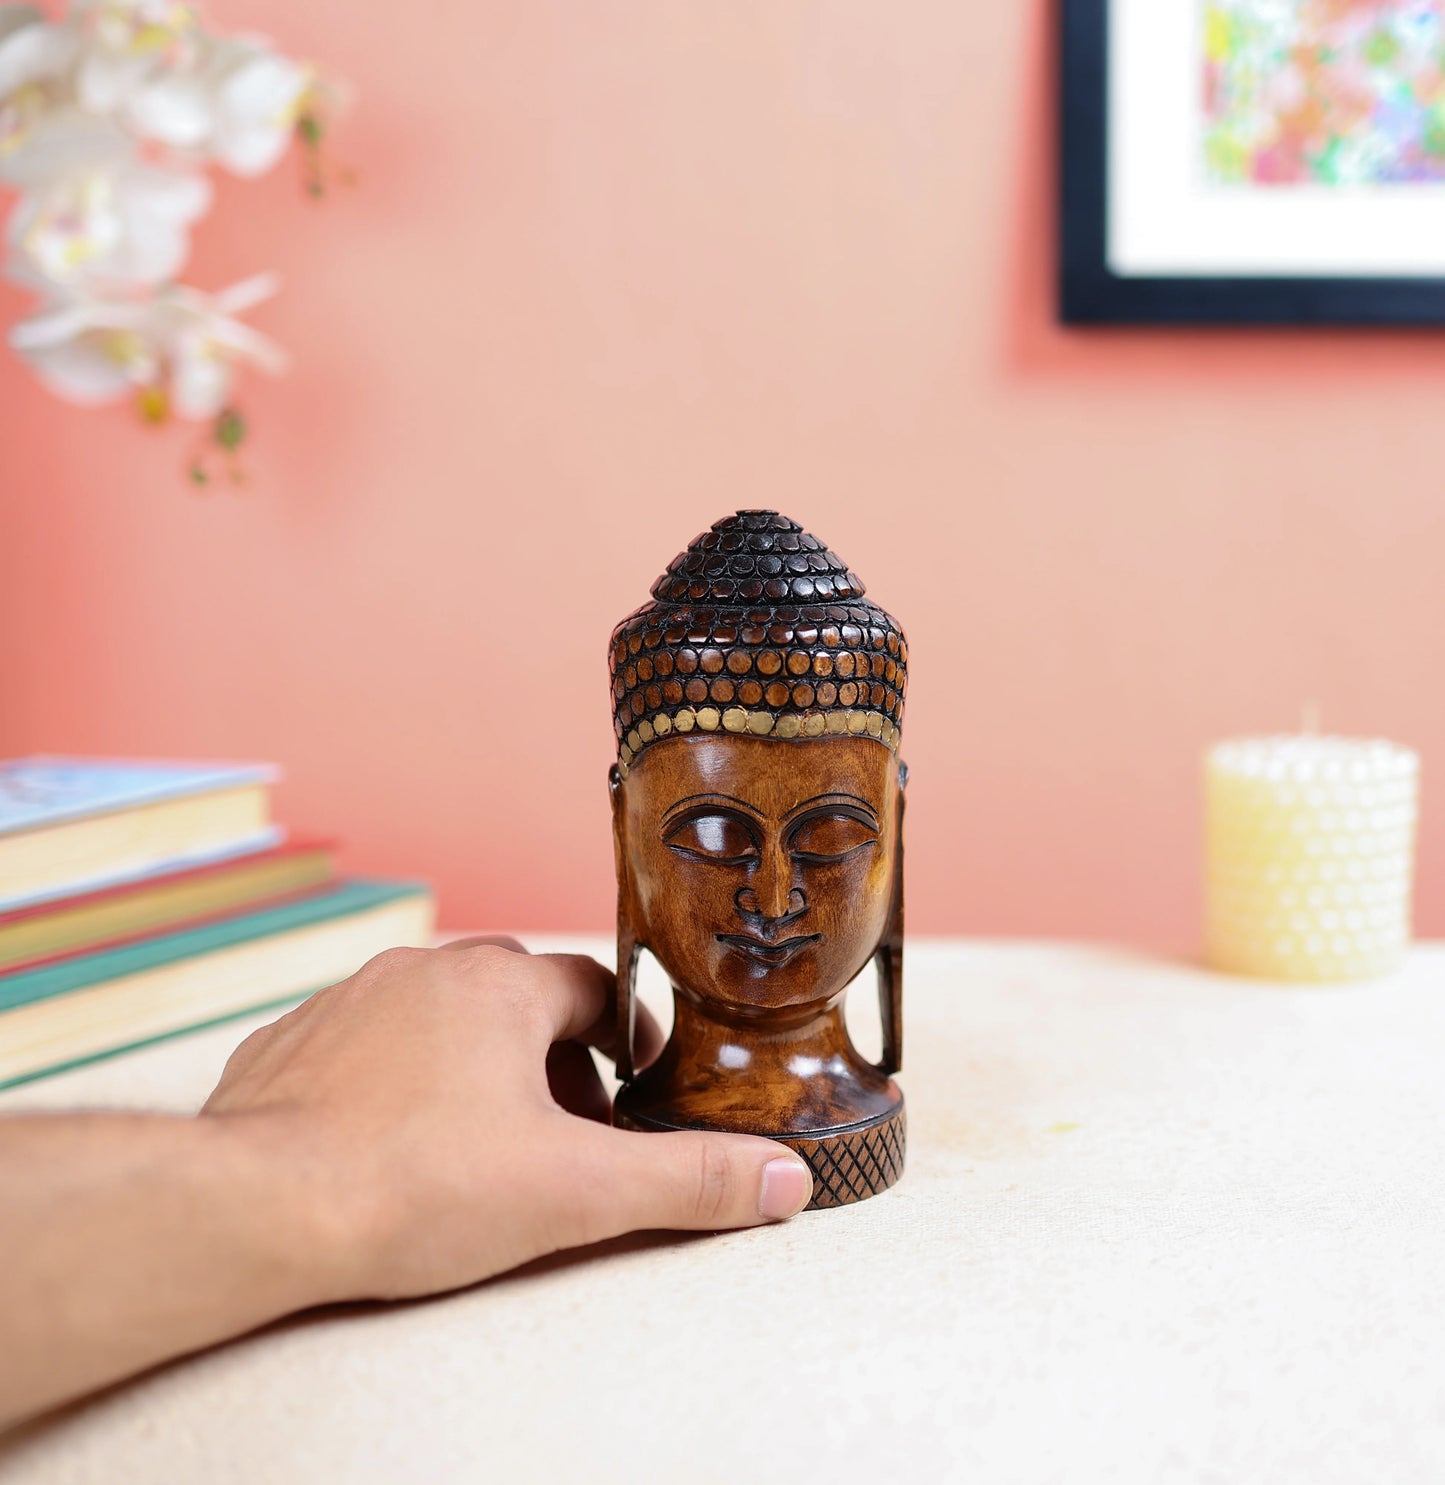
(831, 837)
(722, 838)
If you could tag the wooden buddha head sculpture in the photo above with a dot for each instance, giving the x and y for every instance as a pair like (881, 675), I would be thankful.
(758, 815)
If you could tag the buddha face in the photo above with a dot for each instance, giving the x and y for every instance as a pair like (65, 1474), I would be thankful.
(760, 873)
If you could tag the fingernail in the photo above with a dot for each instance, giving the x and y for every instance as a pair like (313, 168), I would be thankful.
(785, 1190)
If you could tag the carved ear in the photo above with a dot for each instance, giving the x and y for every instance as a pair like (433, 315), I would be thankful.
(628, 947)
(889, 958)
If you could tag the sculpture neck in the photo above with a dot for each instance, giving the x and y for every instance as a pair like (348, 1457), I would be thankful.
(760, 1040)
(787, 1072)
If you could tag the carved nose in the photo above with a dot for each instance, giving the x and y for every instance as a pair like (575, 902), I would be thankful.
(773, 907)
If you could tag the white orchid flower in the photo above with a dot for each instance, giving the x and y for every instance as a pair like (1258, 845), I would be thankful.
(88, 351)
(126, 226)
(207, 343)
(238, 104)
(65, 140)
(15, 18)
(132, 46)
(182, 343)
(109, 117)
(259, 97)
(35, 59)
(148, 64)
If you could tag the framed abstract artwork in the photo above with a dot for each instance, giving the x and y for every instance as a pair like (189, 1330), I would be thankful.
(1253, 162)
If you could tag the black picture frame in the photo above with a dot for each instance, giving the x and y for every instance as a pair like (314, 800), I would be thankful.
(1090, 293)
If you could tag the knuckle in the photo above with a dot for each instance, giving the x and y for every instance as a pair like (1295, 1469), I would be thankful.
(393, 961)
(590, 1212)
(527, 1007)
(503, 965)
(248, 1049)
(518, 996)
(712, 1184)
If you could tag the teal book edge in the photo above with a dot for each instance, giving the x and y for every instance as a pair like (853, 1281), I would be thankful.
(28, 986)
(259, 1009)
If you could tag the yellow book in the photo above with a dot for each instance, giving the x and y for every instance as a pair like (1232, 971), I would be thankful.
(169, 900)
(87, 1006)
(79, 824)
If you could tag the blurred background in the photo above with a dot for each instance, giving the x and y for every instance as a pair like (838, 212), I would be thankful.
(611, 272)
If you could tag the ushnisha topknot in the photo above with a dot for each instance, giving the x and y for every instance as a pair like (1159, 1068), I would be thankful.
(757, 628)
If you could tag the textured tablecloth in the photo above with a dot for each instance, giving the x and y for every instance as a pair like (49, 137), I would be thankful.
(1157, 1226)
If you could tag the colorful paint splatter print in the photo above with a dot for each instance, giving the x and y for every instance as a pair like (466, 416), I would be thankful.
(1324, 92)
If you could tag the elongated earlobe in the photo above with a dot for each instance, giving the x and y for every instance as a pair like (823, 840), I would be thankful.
(628, 953)
(628, 947)
(889, 958)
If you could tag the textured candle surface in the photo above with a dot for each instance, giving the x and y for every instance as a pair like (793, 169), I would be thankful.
(1310, 854)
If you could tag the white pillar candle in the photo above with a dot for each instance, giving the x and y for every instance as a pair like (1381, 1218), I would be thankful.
(1310, 847)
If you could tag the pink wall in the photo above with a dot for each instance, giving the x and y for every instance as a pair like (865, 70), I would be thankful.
(614, 270)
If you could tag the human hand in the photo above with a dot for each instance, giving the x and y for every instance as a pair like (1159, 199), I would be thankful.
(442, 1117)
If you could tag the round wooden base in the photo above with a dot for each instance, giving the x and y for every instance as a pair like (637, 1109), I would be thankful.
(849, 1164)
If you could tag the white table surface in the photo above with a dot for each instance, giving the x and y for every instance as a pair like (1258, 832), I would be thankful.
(1156, 1226)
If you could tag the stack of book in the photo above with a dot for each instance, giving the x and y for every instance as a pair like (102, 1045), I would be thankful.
(141, 900)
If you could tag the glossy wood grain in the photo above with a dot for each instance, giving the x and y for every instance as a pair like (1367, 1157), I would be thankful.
(759, 852)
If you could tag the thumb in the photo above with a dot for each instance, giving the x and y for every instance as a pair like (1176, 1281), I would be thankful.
(698, 1181)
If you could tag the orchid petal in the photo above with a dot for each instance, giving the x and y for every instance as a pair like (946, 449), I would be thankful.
(107, 78)
(178, 196)
(13, 17)
(240, 297)
(81, 372)
(200, 384)
(68, 229)
(122, 227)
(156, 208)
(256, 113)
(33, 52)
(64, 321)
(250, 345)
(64, 142)
(175, 110)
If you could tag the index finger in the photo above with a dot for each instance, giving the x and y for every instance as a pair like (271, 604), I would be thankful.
(578, 996)
(586, 974)
(601, 1031)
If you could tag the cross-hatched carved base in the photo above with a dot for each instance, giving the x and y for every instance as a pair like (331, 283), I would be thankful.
(855, 1164)
(848, 1165)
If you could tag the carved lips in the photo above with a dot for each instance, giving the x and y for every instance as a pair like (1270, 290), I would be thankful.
(773, 955)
